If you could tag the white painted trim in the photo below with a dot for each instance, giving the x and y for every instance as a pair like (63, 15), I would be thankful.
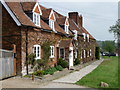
(67, 21)
(88, 37)
(52, 56)
(37, 4)
(36, 19)
(75, 34)
(84, 36)
(66, 29)
(90, 52)
(84, 53)
(66, 26)
(52, 12)
(81, 54)
(37, 51)
(11, 13)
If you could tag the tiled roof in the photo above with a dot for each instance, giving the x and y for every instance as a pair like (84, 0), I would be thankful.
(28, 6)
(18, 9)
(22, 17)
(85, 31)
(46, 13)
(65, 43)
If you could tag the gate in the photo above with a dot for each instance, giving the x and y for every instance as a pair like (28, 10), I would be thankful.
(6, 63)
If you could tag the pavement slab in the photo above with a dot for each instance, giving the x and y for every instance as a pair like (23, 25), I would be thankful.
(76, 76)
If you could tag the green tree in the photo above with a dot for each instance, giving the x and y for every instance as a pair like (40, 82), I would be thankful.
(116, 30)
(108, 46)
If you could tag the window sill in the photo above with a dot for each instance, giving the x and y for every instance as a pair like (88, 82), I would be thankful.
(52, 57)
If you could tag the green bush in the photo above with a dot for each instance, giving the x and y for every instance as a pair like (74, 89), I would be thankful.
(39, 73)
(77, 61)
(97, 53)
(50, 71)
(63, 63)
(59, 68)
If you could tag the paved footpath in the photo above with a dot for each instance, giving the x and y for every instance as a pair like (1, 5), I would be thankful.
(69, 80)
(63, 82)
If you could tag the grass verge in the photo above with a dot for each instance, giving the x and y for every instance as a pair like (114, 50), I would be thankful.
(107, 72)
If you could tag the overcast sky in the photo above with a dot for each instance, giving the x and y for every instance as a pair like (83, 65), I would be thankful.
(98, 16)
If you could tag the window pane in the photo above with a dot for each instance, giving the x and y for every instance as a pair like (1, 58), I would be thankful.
(35, 51)
(61, 53)
(35, 18)
(38, 54)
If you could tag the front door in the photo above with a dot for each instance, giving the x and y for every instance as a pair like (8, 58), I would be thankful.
(71, 57)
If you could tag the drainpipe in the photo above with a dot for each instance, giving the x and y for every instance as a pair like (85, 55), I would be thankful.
(27, 51)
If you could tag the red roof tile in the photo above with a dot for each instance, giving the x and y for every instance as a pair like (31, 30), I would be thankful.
(22, 17)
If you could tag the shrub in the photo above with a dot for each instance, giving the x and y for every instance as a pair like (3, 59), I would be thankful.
(59, 68)
(77, 61)
(97, 53)
(50, 71)
(63, 63)
(39, 73)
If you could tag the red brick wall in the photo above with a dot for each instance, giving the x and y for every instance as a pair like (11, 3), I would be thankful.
(11, 35)
(39, 37)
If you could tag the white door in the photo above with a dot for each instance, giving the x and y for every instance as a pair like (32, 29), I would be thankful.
(71, 57)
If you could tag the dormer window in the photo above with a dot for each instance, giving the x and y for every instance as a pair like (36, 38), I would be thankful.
(52, 20)
(66, 29)
(84, 36)
(67, 26)
(36, 14)
(36, 19)
(75, 34)
(51, 24)
(88, 37)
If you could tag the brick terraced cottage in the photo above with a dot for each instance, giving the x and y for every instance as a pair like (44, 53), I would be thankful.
(27, 25)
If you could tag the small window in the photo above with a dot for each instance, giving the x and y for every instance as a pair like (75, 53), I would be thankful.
(51, 24)
(84, 54)
(90, 52)
(84, 36)
(52, 52)
(75, 34)
(62, 53)
(67, 29)
(81, 54)
(88, 37)
(37, 51)
(36, 19)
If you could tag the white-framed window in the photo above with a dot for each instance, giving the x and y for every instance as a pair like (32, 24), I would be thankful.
(90, 52)
(36, 19)
(62, 53)
(75, 34)
(36, 51)
(81, 54)
(88, 37)
(84, 36)
(51, 24)
(52, 52)
(67, 29)
(84, 54)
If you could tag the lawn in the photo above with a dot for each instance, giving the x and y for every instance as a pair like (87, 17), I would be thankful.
(107, 72)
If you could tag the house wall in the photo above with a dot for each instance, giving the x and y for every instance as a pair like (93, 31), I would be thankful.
(39, 37)
(86, 46)
(11, 35)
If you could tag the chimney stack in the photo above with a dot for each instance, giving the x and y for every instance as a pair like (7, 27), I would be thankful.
(76, 18)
